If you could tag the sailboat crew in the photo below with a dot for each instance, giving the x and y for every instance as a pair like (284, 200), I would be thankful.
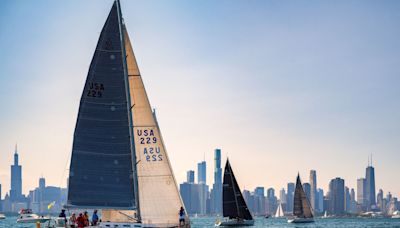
(182, 216)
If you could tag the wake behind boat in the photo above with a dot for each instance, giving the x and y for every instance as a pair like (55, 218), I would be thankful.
(119, 163)
(302, 211)
(235, 210)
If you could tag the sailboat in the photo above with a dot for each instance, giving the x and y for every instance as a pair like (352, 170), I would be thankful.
(302, 211)
(119, 163)
(279, 211)
(234, 208)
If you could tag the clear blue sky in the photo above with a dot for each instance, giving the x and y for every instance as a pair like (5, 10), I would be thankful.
(279, 86)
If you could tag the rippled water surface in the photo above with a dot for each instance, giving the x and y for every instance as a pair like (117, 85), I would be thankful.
(261, 222)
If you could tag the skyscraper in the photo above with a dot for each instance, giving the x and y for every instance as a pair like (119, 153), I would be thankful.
(201, 172)
(337, 196)
(217, 186)
(190, 177)
(370, 187)
(307, 190)
(42, 183)
(313, 183)
(361, 189)
(290, 197)
(16, 179)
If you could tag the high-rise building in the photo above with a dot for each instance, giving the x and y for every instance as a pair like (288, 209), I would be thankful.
(307, 190)
(361, 192)
(271, 203)
(42, 183)
(370, 187)
(347, 199)
(190, 177)
(320, 194)
(259, 201)
(336, 196)
(282, 196)
(16, 179)
(290, 197)
(201, 172)
(313, 184)
(0, 192)
(216, 196)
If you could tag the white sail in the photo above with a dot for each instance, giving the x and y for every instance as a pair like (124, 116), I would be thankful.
(159, 198)
(279, 211)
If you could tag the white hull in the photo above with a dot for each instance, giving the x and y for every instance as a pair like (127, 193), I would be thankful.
(2, 216)
(33, 220)
(301, 220)
(235, 223)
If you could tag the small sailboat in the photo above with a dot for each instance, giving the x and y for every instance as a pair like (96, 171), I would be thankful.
(119, 162)
(302, 210)
(279, 212)
(235, 210)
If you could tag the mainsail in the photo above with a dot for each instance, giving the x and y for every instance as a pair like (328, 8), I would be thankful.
(301, 208)
(234, 205)
(101, 171)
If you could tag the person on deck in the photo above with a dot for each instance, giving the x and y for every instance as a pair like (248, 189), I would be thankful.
(182, 216)
(62, 215)
(95, 218)
(86, 217)
(72, 220)
(80, 220)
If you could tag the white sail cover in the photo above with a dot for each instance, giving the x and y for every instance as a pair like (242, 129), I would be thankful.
(159, 198)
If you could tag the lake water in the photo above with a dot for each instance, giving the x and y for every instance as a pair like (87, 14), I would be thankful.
(261, 222)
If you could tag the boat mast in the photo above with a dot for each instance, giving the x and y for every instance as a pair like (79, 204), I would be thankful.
(130, 106)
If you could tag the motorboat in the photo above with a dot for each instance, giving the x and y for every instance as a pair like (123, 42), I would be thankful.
(2, 216)
(27, 216)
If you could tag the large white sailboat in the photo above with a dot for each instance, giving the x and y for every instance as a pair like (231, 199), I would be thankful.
(119, 163)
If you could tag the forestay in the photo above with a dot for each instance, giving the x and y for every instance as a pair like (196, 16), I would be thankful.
(101, 164)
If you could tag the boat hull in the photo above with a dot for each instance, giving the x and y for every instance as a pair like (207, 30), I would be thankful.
(33, 220)
(135, 225)
(301, 220)
(235, 223)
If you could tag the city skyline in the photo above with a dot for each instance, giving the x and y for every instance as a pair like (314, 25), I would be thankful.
(330, 95)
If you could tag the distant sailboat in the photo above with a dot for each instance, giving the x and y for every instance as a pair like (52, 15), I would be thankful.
(119, 162)
(279, 212)
(234, 207)
(302, 211)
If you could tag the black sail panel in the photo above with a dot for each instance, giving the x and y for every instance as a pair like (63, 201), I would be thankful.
(101, 164)
(301, 207)
(234, 205)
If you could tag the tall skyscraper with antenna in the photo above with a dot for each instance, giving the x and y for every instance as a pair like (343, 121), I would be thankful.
(16, 179)
(370, 185)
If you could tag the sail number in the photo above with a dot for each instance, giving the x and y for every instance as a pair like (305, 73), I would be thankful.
(95, 89)
(146, 137)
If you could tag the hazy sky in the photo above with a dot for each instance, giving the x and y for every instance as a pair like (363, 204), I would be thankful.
(279, 86)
